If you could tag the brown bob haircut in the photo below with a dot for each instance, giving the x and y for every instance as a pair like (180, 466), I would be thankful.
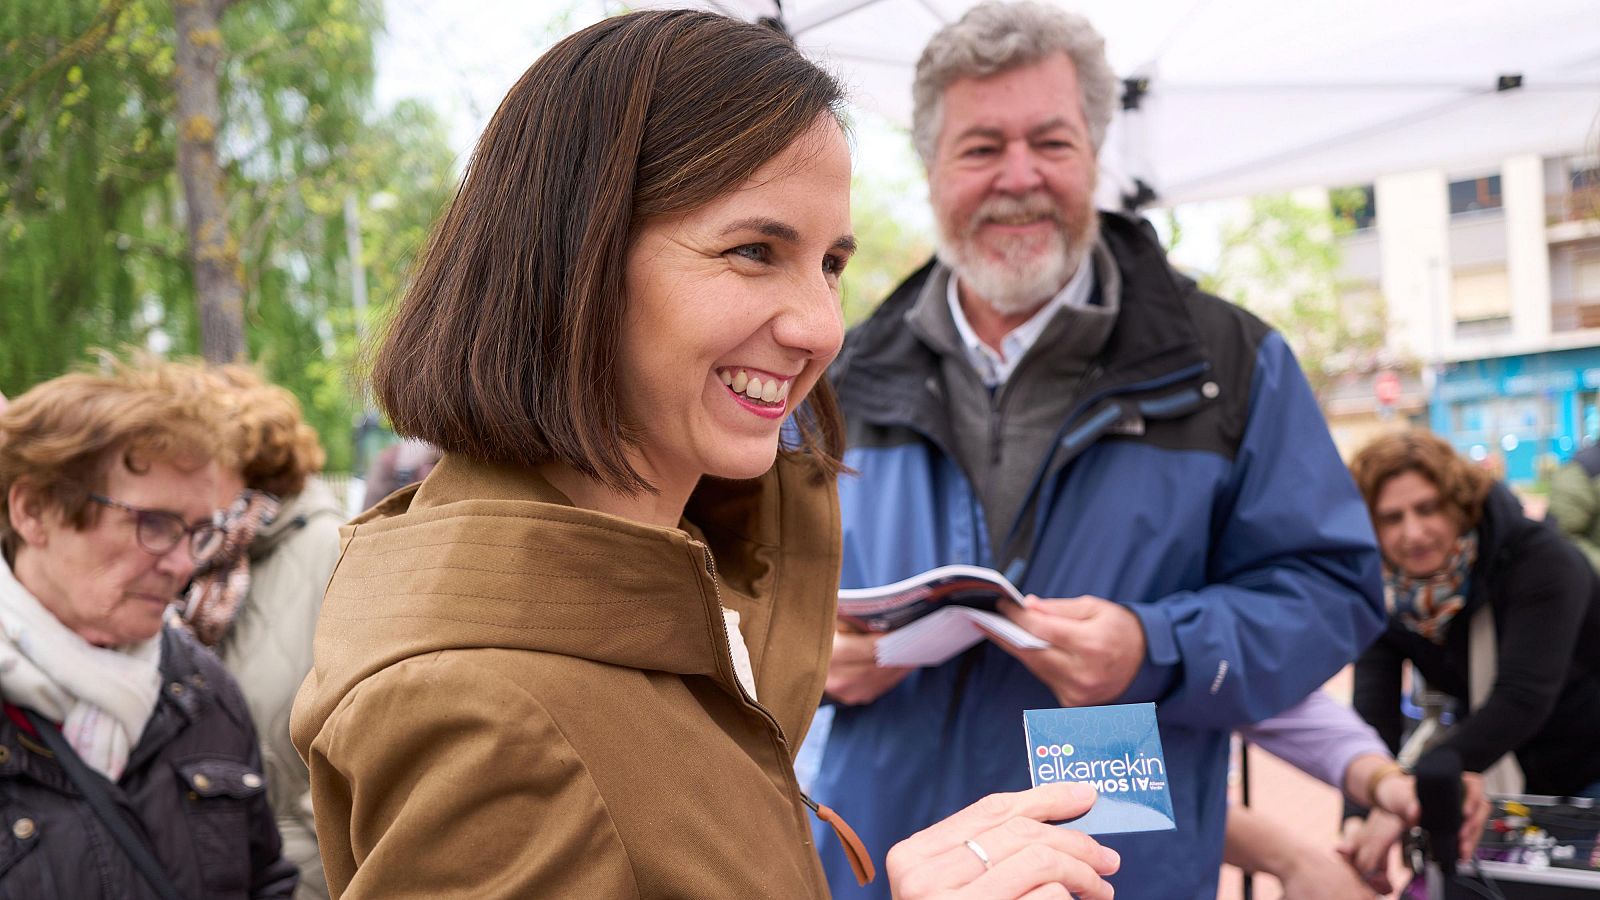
(276, 449)
(63, 437)
(1461, 485)
(505, 347)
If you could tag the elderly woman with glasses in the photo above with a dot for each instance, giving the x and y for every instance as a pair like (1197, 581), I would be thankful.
(128, 764)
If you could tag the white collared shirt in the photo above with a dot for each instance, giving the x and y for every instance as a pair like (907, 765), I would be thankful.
(994, 368)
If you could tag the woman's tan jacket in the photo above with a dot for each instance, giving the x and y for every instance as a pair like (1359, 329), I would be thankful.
(513, 697)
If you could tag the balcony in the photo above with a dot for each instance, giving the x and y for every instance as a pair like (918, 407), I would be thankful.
(1574, 215)
(1573, 313)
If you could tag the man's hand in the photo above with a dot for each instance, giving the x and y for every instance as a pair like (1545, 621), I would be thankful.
(1306, 867)
(1321, 875)
(854, 676)
(1096, 646)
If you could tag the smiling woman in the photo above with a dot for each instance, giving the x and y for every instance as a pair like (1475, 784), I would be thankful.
(734, 310)
(589, 643)
(518, 309)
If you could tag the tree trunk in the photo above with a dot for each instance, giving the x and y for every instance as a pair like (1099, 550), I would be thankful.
(213, 252)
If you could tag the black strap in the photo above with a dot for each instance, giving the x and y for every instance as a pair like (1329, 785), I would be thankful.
(93, 786)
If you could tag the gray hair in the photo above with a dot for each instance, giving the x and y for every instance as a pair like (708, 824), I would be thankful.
(997, 36)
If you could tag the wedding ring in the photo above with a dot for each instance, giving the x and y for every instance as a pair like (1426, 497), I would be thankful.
(978, 851)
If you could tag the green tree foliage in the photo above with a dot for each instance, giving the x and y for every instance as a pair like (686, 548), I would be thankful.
(888, 209)
(1282, 263)
(93, 250)
(887, 248)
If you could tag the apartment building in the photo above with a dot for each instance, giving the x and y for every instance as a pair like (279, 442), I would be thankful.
(1492, 281)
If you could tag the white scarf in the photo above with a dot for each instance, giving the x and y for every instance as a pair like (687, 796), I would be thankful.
(103, 697)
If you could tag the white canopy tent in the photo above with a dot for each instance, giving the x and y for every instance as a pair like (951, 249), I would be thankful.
(1247, 96)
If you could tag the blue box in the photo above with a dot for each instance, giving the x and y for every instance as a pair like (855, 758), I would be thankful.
(1115, 748)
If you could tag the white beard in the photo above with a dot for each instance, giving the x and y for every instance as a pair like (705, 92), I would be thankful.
(1021, 279)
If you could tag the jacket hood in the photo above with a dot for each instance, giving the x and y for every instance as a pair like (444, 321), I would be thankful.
(315, 499)
(489, 556)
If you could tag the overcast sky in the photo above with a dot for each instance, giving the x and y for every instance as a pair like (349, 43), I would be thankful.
(461, 58)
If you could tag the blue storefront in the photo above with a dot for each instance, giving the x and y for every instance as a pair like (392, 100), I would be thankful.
(1520, 414)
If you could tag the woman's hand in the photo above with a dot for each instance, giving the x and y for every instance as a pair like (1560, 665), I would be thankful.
(1000, 849)
(1397, 794)
(1474, 812)
(1366, 844)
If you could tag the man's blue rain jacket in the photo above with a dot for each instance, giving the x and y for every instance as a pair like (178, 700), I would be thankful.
(1195, 482)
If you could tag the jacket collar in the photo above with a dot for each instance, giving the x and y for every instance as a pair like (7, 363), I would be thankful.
(491, 556)
(185, 694)
(538, 572)
(1501, 528)
(315, 499)
(887, 373)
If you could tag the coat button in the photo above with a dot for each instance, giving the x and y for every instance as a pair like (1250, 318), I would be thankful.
(176, 689)
(251, 780)
(24, 829)
(1209, 390)
(5, 754)
(202, 782)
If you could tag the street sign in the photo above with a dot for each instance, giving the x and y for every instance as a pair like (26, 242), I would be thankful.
(1386, 385)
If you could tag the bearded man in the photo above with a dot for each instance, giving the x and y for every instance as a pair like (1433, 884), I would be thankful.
(1050, 398)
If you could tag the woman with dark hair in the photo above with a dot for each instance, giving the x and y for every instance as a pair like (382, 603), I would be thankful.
(1495, 610)
(577, 660)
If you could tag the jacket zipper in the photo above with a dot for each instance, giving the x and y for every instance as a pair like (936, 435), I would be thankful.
(995, 431)
(1094, 372)
(751, 702)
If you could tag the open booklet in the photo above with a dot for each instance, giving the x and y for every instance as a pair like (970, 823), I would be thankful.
(931, 617)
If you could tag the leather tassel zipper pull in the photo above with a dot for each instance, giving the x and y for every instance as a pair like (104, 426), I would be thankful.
(854, 850)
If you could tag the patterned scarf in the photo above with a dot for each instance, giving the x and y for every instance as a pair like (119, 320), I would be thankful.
(1426, 605)
(220, 587)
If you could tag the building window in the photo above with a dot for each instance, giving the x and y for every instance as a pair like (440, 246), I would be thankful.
(1481, 301)
(1355, 206)
(1475, 194)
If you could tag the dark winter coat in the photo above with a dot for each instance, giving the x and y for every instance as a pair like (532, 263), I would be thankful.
(1545, 703)
(194, 786)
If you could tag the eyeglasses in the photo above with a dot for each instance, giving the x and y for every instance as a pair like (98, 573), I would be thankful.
(159, 530)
